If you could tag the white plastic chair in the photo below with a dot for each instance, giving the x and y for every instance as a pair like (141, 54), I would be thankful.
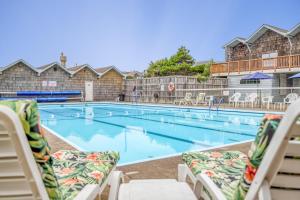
(235, 98)
(250, 99)
(266, 101)
(277, 176)
(290, 98)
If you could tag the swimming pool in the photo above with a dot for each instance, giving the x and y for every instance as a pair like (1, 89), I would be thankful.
(142, 132)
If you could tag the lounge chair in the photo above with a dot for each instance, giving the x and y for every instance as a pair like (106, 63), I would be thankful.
(200, 99)
(29, 171)
(270, 171)
(187, 99)
(235, 98)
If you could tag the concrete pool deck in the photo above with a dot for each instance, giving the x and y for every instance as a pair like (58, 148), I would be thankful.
(165, 168)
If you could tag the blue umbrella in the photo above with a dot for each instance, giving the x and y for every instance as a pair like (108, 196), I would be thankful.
(295, 76)
(257, 76)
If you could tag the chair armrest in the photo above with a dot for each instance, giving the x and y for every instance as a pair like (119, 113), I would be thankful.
(89, 192)
(264, 192)
(211, 187)
(116, 179)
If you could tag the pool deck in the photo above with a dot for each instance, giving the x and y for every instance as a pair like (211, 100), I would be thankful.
(155, 169)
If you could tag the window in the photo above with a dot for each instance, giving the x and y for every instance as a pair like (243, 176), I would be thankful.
(249, 82)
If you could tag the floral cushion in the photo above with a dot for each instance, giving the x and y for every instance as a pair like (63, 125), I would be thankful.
(238, 174)
(256, 153)
(225, 168)
(75, 169)
(28, 114)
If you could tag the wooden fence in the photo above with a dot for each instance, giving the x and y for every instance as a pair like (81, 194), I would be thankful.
(146, 88)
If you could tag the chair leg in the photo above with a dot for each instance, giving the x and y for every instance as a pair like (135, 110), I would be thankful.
(182, 173)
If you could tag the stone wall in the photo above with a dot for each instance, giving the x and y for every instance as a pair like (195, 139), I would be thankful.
(21, 77)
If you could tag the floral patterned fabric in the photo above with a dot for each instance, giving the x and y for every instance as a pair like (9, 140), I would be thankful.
(256, 153)
(64, 173)
(29, 117)
(75, 169)
(225, 168)
(233, 172)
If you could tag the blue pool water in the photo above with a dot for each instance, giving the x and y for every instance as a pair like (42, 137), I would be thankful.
(143, 132)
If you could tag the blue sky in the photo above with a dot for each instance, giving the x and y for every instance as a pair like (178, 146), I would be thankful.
(131, 33)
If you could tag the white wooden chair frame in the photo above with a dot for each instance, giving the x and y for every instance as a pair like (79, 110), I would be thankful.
(20, 177)
(274, 161)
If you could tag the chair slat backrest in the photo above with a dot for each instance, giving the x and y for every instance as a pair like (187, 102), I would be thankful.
(19, 174)
(280, 166)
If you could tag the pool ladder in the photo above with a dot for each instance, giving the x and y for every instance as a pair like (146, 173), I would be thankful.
(211, 103)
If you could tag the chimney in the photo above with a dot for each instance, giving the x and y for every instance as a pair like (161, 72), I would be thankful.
(63, 59)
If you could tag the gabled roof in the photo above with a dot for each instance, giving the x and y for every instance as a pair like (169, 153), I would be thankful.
(16, 62)
(294, 30)
(263, 29)
(78, 68)
(43, 68)
(235, 42)
(104, 70)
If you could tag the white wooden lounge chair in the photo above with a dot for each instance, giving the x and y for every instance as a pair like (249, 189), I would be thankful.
(275, 175)
(187, 99)
(200, 99)
(23, 172)
(235, 98)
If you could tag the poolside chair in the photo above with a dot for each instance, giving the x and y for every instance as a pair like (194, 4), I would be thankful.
(187, 99)
(290, 98)
(249, 99)
(235, 98)
(29, 171)
(270, 171)
(200, 99)
(266, 101)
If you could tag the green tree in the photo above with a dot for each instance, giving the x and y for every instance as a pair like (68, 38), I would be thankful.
(181, 63)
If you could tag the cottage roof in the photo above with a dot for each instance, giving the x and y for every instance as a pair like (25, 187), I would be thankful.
(16, 62)
(78, 68)
(43, 68)
(235, 42)
(294, 30)
(104, 70)
(257, 34)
